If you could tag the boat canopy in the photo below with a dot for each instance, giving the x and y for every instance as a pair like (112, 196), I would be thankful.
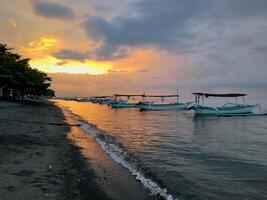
(100, 97)
(162, 96)
(129, 95)
(219, 95)
(143, 95)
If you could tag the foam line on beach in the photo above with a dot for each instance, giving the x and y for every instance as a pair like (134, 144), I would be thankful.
(118, 155)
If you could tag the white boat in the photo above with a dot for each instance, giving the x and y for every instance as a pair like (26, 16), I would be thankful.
(149, 105)
(228, 109)
(120, 103)
(123, 105)
(102, 99)
(106, 101)
(158, 107)
(84, 99)
(162, 106)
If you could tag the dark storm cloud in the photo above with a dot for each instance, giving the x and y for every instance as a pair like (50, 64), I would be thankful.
(259, 50)
(110, 52)
(242, 8)
(165, 24)
(53, 10)
(156, 22)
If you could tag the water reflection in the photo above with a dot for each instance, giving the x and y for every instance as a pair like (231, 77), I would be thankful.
(195, 157)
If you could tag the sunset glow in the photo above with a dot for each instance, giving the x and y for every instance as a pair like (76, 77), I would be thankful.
(53, 65)
(147, 45)
(42, 44)
(133, 99)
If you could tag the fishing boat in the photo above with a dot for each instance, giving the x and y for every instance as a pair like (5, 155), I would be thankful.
(83, 99)
(145, 106)
(101, 99)
(106, 101)
(228, 109)
(120, 103)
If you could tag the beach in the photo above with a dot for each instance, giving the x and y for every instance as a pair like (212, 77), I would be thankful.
(46, 156)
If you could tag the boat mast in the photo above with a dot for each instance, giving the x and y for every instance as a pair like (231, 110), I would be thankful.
(177, 95)
(144, 96)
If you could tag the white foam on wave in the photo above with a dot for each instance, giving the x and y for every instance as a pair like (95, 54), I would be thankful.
(119, 156)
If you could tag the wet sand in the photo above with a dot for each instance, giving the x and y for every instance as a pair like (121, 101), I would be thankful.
(42, 156)
(112, 178)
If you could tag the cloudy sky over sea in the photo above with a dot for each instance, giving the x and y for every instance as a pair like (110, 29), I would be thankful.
(104, 46)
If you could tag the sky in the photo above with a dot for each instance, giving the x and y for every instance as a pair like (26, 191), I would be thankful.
(101, 47)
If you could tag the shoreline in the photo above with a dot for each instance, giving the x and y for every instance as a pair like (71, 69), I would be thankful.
(116, 181)
(47, 156)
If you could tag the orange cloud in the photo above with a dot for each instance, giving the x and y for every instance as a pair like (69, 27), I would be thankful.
(13, 22)
(43, 43)
(50, 64)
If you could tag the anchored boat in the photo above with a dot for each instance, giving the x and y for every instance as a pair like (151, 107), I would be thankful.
(145, 106)
(228, 109)
(120, 103)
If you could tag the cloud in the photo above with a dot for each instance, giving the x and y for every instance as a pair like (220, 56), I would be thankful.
(66, 54)
(241, 8)
(143, 71)
(106, 52)
(259, 50)
(110, 52)
(155, 23)
(165, 24)
(53, 10)
(13, 22)
(225, 39)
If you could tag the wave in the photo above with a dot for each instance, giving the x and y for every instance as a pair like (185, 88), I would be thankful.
(120, 156)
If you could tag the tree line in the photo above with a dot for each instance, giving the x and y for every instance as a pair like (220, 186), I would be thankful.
(18, 80)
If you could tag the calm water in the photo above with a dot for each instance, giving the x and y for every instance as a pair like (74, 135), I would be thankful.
(193, 157)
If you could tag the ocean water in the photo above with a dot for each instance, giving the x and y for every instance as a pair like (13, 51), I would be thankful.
(181, 156)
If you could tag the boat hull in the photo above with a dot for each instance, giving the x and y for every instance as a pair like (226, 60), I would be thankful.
(124, 105)
(234, 110)
(158, 107)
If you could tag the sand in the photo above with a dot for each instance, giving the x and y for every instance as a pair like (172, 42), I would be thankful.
(45, 156)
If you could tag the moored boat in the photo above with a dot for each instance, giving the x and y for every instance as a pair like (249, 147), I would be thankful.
(123, 105)
(120, 103)
(228, 109)
(157, 107)
(163, 106)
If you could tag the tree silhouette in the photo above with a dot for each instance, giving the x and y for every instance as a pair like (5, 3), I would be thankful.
(18, 79)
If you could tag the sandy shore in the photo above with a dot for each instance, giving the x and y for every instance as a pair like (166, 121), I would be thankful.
(42, 157)
(37, 160)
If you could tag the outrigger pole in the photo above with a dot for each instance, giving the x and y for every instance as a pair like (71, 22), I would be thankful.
(144, 96)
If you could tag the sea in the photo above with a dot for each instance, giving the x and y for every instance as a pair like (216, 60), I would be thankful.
(177, 155)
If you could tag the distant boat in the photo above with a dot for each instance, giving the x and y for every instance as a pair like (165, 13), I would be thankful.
(166, 106)
(105, 101)
(123, 105)
(84, 99)
(146, 106)
(119, 103)
(228, 109)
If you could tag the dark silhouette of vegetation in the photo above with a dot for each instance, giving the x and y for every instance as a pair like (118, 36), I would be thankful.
(18, 80)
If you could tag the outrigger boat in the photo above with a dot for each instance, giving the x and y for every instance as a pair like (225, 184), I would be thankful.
(97, 99)
(119, 103)
(228, 109)
(144, 106)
